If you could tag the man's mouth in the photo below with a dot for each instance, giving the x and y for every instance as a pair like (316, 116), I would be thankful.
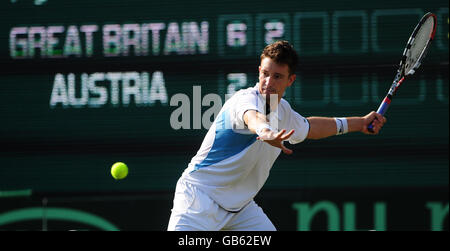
(268, 91)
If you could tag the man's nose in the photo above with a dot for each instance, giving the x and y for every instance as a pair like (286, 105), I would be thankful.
(269, 81)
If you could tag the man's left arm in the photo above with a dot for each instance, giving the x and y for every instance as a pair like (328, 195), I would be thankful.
(323, 127)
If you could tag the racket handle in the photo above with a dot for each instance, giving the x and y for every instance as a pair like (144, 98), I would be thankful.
(381, 110)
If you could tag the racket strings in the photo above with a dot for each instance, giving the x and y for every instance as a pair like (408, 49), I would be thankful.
(418, 45)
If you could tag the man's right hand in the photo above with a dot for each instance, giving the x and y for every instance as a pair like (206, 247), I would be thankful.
(276, 139)
(254, 119)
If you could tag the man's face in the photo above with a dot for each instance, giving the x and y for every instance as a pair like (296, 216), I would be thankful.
(274, 78)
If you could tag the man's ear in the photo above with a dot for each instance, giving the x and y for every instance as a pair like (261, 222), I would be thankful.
(292, 79)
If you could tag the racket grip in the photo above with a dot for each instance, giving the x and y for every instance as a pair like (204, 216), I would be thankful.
(381, 110)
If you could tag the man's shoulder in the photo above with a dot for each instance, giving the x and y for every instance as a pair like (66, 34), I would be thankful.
(244, 95)
(285, 104)
(247, 91)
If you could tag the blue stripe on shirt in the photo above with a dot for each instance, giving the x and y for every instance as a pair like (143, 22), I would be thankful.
(227, 143)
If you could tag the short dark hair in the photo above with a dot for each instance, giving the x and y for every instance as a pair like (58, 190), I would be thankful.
(282, 52)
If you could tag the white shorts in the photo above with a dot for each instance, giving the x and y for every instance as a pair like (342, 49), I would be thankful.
(193, 210)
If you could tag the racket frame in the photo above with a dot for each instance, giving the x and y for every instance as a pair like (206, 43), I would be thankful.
(401, 74)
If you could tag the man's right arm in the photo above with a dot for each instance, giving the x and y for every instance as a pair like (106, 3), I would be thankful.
(254, 120)
(257, 123)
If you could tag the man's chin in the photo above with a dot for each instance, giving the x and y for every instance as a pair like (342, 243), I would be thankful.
(271, 94)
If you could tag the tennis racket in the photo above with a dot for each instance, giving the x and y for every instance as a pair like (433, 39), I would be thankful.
(413, 55)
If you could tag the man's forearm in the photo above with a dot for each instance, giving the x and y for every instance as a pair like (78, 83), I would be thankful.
(254, 120)
(323, 127)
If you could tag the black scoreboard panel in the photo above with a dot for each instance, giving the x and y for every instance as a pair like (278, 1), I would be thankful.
(84, 84)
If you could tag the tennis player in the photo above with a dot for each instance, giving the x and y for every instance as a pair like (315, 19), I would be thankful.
(216, 190)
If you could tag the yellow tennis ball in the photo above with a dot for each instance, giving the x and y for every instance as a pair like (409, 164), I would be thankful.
(119, 170)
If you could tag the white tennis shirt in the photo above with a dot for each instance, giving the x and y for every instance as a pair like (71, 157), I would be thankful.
(231, 166)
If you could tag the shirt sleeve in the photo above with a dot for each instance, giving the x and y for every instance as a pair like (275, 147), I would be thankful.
(245, 102)
(301, 127)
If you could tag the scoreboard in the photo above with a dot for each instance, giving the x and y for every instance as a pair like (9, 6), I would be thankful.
(84, 84)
